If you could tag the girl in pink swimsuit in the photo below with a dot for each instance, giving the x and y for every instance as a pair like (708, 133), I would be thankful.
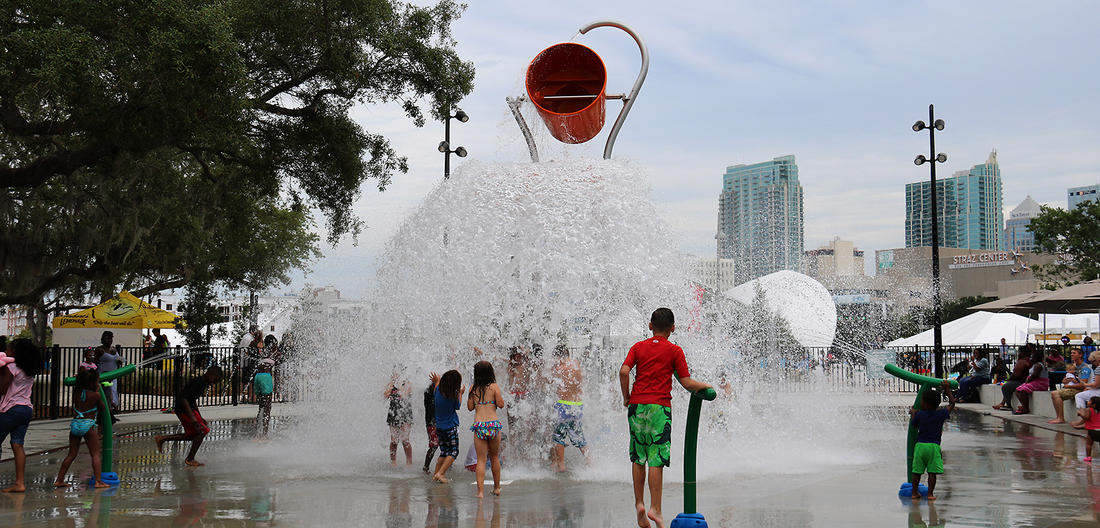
(484, 399)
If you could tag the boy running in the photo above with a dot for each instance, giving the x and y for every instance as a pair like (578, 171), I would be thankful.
(649, 409)
(187, 410)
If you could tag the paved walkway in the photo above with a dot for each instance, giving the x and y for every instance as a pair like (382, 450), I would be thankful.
(44, 436)
(1030, 419)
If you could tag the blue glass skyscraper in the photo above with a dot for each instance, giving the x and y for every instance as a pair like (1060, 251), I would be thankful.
(760, 218)
(971, 209)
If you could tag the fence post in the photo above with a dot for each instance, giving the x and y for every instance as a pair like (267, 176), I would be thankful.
(55, 382)
(236, 376)
(177, 378)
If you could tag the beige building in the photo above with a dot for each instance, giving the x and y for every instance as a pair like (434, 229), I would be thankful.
(712, 274)
(907, 273)
(838, 258)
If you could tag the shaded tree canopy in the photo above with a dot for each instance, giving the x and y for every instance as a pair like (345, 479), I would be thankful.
(1074, 236)
(155, 142)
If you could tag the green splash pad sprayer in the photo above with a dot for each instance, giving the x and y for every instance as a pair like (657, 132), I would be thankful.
(690, 517)
(925, 382)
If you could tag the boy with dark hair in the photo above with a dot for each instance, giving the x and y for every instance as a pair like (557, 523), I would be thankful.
(195, 427)
(929, 423)
(649, 409)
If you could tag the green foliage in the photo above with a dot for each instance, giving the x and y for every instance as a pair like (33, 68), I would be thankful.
(1073, 236)
(199, 312)
(146, 144)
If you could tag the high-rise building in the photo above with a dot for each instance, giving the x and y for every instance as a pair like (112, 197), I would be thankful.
(760, 218)
(970, 209)
(838, 258)
(1076, 195)
(1018, 236)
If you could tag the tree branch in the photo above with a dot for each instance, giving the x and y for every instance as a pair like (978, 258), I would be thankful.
(287, 85)
(276, 109)
(161, 286)
(62, 162)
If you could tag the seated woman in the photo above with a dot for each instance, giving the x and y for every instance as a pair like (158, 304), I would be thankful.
(979, 375)
(1038, 380)
(1019, 375)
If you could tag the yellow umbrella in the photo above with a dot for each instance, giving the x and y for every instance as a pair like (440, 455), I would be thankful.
(122, 311)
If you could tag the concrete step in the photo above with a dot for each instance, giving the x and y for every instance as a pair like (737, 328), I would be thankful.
(1041, 403)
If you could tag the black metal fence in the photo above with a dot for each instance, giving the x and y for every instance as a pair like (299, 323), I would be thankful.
(155, 384)
(842, 369)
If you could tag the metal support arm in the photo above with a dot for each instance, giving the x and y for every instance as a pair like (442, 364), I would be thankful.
(628, 101)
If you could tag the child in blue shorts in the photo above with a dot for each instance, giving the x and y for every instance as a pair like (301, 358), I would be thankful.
(929, 423)
(448, 390)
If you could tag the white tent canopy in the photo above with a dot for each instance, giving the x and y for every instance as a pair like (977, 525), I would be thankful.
(978, 328)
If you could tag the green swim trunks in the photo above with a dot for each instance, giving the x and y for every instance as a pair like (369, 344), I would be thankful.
(650, 434)
(927, 457)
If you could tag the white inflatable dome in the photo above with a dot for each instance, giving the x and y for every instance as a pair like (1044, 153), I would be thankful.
(802, 301)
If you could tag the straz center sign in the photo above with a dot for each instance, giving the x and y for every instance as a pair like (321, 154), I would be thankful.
(982, 260)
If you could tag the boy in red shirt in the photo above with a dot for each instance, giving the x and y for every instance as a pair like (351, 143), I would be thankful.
(649, 408)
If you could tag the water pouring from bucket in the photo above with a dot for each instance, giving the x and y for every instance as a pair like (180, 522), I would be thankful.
(567, 84)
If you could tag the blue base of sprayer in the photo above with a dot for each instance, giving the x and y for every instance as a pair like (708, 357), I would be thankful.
(108, 477)
(906, 490)
(689, 520)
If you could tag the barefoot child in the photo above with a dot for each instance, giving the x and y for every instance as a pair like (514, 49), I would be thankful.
(400, 415)
(429, 426)
(187, 410)
(485, 398)
(1091, 415)
(86, 404)
(649, 409)
(447, 391)
(929, 423)
(263, 384)
(569, 410)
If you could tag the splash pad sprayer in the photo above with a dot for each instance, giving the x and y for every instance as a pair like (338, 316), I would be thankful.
(925, 382)
(106, 425)
(690, 517)
(567, 85)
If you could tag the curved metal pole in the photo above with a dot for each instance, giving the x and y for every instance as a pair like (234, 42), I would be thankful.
(628, 101)
(514, 105)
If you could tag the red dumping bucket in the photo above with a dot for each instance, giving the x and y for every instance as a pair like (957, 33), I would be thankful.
(566, 83)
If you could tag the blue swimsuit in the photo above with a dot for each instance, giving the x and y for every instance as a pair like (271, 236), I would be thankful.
(81, 425)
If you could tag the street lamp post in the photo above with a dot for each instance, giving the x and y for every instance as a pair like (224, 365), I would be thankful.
(445, 145)
(937, 331)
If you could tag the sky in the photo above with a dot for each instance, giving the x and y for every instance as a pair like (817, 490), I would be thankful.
(836, 84)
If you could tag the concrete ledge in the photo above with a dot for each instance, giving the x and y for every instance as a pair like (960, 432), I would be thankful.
(1041, 404)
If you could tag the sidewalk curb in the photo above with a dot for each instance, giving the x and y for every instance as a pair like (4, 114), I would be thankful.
(1027, 419)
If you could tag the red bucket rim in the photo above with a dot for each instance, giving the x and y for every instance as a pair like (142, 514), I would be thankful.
(598, 99)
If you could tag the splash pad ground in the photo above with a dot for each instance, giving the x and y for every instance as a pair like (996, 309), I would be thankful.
(998, 474)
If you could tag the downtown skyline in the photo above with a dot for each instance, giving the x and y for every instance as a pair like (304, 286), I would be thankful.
(731, 84)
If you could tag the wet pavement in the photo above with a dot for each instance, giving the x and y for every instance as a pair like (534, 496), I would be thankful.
(998, 473)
